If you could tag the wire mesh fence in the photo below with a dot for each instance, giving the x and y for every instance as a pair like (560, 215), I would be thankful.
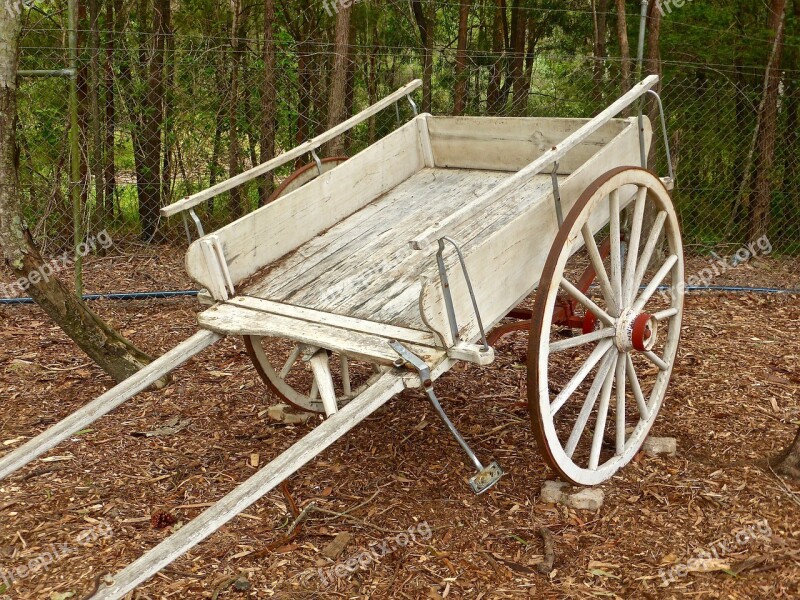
(160, 119)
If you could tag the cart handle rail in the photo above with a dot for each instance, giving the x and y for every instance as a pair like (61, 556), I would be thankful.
(519, 180)
(191, 201)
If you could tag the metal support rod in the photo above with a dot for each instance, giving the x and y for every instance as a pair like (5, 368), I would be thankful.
(74, 147)
(665, 133)
(66, 73)
(406, 356)
(317, 161)
(197, 222)
(413, 105)
(448, 298)
(557, 195)
(639, 68)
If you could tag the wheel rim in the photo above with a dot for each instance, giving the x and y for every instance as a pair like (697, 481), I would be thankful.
(593, 397)
(281, 365)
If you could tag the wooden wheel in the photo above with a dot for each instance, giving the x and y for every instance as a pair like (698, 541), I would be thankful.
(593, 396)
(292, 374)
(303, 175)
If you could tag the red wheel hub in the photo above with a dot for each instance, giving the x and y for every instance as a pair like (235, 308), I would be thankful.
(641, 332)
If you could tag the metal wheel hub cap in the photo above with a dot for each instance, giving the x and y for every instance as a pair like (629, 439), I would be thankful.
(636, 331)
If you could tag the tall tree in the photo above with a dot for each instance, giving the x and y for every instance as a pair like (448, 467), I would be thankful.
(268, 104)
(460, 91)
(759, 204)
(600, 10)
(426, 25)
(115, 355)
(624, 47)
(519, 29)
(338, 87)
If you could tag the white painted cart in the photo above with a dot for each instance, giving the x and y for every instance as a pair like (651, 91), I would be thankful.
(384, 270)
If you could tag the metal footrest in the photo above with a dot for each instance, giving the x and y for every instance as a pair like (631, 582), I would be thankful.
(486, 478)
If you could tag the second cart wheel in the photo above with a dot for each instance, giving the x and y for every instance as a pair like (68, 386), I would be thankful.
(593, 396)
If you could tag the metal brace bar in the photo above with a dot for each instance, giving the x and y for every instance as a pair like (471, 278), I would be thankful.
(197, 222)
(66, 73)
(448, 298)
(186, 227)
(317, 160)
(397, 111)
(557, 195)
(486, 476)
(413, 105)
(664, 131)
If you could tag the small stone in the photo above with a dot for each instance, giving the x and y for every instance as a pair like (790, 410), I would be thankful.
(241, 584)
(586, 499)
(283, 413)
(660, 446)
(553, 492)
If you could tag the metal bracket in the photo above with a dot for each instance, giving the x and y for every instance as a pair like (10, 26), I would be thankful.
(413, 105)
(487, 476)
(557, 196)
(670, 166)
(448, 297)
(317, 160)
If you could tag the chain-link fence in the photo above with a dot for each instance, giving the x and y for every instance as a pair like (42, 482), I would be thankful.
(161, 119)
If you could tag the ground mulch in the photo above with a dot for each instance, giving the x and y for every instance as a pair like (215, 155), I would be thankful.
(101, 499)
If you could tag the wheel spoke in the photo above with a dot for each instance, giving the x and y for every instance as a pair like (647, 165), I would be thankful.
(599, 269)
(581, 297)
(602, 415)
(649, 248)
(314, 394)
(345, 369)
(620, 406)
(633, 248)
(598, 353)
(588, 405)
(644, 412)
(665, 314)
(322, 376)
(656, 360)
(290, 362)
(581, 340)
(616, 254)
(653, 285)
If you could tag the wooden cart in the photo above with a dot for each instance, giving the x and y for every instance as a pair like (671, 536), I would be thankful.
(378, 273)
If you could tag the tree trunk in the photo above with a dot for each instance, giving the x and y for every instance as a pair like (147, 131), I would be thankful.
(336, 99)
(519, 27)
(758, 218)
(600, 9)
(426, 29)
(788, 463)
(109, 125)
(238, 194)
(624, 47)
(460, 91)
(494, 104)
(268, 91)
(149, 125)
(95, 98)
(652, 66)
(115, 355)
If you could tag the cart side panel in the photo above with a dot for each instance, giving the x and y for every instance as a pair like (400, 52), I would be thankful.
(511, 143)
(506, 267)
(267, 234)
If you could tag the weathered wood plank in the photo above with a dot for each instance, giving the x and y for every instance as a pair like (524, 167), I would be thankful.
(236, 320)
(402, 334)
(545, 161)
(270, 232)
(505, 266)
